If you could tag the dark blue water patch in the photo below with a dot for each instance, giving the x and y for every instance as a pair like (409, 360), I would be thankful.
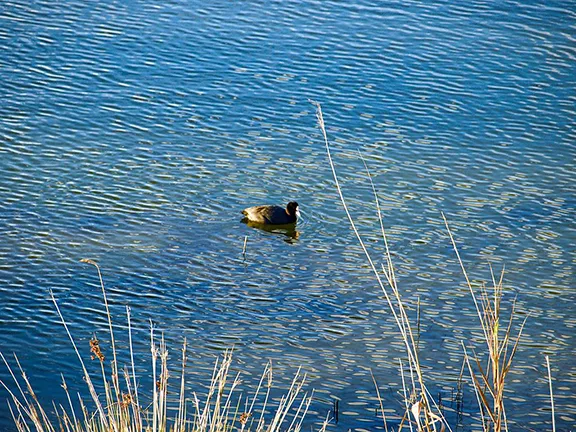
(537, 211)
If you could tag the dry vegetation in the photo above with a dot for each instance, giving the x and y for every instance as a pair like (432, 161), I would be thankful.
(421, 411)
(120, 408)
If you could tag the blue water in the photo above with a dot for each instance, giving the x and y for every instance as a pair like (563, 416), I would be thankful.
(133, 133)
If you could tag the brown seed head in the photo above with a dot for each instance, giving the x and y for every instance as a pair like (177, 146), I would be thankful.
(95, 349)
(126, 400)
(244, 418)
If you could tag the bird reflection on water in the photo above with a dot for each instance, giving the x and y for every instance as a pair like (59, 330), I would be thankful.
(288, 230)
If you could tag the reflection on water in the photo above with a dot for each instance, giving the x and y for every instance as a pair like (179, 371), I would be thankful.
(133, 133)
(288, 230)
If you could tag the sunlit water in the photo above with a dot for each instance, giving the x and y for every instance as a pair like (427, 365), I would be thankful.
(133, 133)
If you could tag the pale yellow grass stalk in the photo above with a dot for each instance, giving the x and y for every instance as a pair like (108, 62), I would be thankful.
(489, 381)
(429, 417)
(551, 393)
(122, 412)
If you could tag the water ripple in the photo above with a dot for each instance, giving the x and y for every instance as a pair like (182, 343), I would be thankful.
(134, 134)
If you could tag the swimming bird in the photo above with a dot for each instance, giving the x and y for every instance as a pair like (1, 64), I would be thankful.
(273, 215)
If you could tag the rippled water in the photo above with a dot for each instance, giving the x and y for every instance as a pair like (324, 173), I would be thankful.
(133, 133)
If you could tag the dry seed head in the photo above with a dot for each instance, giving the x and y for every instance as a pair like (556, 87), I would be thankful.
(269, 376)
(244, 418)
(126, 400)
(95, 349)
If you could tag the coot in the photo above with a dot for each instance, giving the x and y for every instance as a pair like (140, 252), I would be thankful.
(273, 215)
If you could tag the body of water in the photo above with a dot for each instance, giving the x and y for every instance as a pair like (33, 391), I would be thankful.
(133, 133)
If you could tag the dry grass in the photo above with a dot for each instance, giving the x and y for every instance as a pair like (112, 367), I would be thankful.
(119, 409)
(225, 409)
(490, 380)
(420, 410)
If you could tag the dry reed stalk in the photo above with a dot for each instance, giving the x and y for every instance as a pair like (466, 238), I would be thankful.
(154, 354)
(122, 412)
(551, 393)
(136, 403)
(70, 404)
(244, 247)
(114, 374)
(423, 405)
(489, 381)
(269, 378)
(180, 424)
(380, 401)
(87, 378)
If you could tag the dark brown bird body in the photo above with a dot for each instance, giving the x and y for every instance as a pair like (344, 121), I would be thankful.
(273, 215)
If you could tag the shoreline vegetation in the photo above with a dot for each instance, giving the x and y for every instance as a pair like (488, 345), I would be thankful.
(118, 405)
(121, 410)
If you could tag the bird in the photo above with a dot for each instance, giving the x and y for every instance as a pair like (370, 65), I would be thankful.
(272, 214)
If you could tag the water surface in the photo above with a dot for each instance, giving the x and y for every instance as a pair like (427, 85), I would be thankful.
(133, 133)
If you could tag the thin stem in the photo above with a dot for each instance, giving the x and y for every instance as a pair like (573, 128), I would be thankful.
(551, 394)
(486, 337)
(357, 233)
(86, 375)
(109, 316)
(380, 401)
(138, 418)
(400, 316)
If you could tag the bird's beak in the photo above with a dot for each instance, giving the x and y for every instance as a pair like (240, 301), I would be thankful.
(297, 212)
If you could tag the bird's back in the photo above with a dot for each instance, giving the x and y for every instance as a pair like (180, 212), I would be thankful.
(267, 214)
